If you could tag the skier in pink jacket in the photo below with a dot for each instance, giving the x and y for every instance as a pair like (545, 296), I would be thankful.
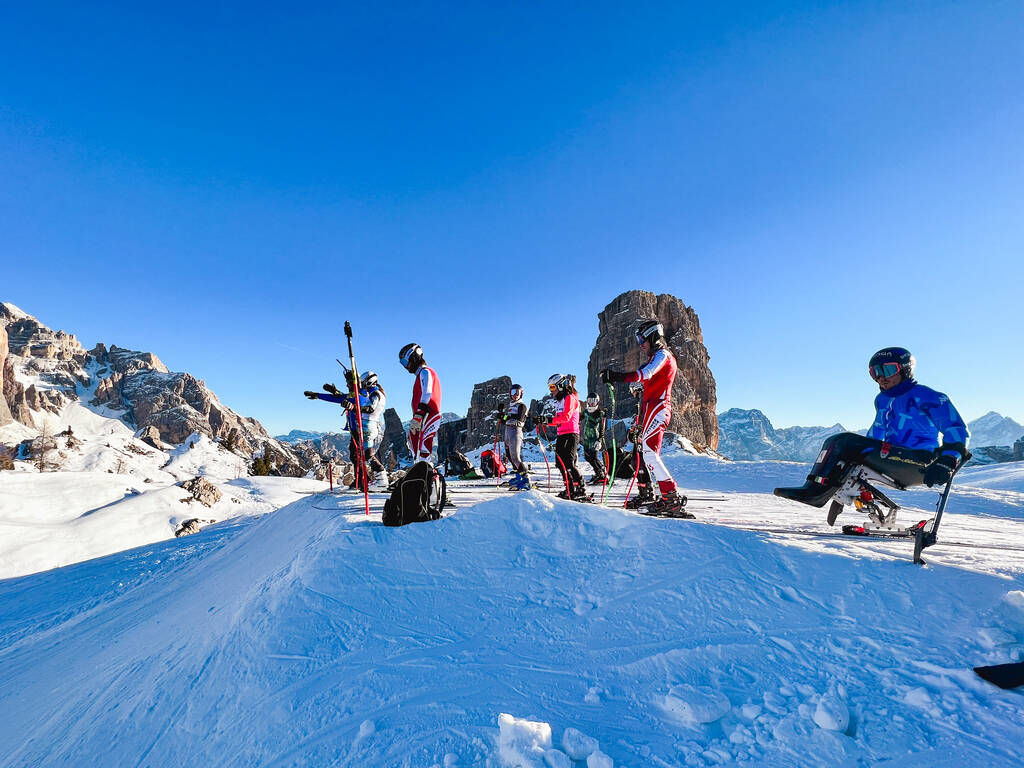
(567, 421)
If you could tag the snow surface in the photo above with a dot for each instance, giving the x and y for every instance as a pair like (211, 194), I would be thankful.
(519, 630)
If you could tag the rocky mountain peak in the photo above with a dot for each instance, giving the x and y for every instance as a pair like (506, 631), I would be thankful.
(693, 394)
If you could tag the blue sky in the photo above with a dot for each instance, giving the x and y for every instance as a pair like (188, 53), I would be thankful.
(226, 186)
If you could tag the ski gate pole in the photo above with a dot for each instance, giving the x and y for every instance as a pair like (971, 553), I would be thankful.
(359, 417)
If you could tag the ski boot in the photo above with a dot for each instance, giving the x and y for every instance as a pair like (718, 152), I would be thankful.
(519, 482)
(580, 494)
(598, 480)
(669, 505)
(642, 499)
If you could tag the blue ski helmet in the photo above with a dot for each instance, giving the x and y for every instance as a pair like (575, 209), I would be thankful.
(890, 356)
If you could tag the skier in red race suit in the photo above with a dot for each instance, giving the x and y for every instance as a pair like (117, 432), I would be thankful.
(426, 402)
(657, 376)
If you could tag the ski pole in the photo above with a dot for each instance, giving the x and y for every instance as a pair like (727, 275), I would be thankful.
(540, 442)
(495, 458)
(359, 416)
(614, 454)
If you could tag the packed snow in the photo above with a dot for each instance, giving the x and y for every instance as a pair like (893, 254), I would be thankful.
(518, 630)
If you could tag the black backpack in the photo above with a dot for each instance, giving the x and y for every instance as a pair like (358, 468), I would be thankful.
(457, 464)
(419, 496)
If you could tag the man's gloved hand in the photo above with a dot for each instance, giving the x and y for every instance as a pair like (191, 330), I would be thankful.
(417, 420)
(940, 470)
(311, 395)
(598, 446)
(608, 376)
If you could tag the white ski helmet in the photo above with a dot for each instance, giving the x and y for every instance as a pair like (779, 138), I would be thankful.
(593, 402)
(368, 379)
(650, 330)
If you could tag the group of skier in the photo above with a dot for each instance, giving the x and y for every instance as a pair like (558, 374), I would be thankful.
(902, 444)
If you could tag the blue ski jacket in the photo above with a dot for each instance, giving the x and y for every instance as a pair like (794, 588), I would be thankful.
(371, 408)
(912, 415)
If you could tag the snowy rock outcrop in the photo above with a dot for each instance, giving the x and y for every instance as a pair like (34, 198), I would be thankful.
(481, 419)
(5, 409)
(202, 490)
(394, 449)
(43, 370)
(693, 394)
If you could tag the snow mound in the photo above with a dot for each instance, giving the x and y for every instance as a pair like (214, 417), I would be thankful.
(316, 636)
(522, 743)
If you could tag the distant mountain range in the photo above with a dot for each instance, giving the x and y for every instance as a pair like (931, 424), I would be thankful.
(748, 435)
(995, 429)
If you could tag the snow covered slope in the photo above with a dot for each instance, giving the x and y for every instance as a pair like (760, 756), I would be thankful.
(525, 631)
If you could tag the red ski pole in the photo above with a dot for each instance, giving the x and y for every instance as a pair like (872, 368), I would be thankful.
(540, 442)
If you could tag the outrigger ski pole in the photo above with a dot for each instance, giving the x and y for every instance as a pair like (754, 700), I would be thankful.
(359, 417)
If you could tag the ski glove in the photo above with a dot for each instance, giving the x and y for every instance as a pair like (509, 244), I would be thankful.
(608, 376)
(598, 446)
(940, 470)
(311, 395)
(417, 420)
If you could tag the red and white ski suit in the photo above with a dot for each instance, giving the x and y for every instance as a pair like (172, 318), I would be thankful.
(426, 395)
(657, 377)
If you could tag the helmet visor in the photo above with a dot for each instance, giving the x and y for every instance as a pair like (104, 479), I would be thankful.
(884, 370)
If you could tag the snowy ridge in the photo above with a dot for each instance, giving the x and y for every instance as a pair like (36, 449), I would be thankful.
(748, 435)
(994, 429)
(315, 636)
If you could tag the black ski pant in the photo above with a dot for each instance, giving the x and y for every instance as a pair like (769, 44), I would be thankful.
(643, 476)
(566, 447)
(595, 459)
(841, 452)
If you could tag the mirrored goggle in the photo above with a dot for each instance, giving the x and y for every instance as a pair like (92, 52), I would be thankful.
(640, 339)
(884, 371)
(404, 359)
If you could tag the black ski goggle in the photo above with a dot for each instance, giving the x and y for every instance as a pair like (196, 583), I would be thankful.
(884, 371)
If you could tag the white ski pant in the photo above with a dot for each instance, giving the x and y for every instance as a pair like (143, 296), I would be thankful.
(655, 423)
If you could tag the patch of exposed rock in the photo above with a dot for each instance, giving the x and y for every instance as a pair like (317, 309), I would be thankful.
(394, 448)
(693, 393)
(202, 490)
(482, 417)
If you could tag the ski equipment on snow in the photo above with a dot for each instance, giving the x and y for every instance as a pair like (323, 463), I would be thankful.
(361, 452)
(614, 455)
(419, 496)
(1004, 675)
